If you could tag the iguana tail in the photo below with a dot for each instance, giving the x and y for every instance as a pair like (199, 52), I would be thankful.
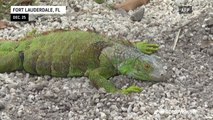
(10, 59)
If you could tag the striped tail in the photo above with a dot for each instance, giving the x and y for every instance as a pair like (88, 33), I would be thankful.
(10, 59)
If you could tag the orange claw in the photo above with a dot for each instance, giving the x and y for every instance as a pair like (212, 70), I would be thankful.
(131, 4)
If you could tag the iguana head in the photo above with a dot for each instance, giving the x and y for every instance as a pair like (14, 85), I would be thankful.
(146, 67)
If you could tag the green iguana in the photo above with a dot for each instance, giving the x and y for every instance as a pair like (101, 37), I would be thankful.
(79, 53)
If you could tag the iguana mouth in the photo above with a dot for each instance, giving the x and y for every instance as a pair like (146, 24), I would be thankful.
(158, 75)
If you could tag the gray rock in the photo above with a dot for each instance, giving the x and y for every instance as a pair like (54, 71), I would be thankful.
(114, 107)
(211, 30)
(102, 115)
(209, 22)
(129, 109)
(138, 15)
(2, 106)
(4, 116)
(100, 105)
(210, 51)
(181, 2)
(122, 12)
(49, 94)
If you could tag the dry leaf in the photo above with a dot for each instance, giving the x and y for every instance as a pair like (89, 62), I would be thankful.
(3, 24)
(26, 2)
(131, 4)
(206, 43)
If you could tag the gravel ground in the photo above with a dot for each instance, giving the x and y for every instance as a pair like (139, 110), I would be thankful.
(186, 95)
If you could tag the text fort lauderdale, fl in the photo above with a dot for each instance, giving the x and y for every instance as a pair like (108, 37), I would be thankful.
(51, 10)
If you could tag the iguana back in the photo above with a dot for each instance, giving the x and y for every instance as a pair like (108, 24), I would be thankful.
(62, 54)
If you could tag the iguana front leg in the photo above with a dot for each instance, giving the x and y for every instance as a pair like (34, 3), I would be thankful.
(99, 77)
(146, 48)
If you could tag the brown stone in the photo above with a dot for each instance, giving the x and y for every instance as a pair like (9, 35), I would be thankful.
(3, 24)
(131, 4)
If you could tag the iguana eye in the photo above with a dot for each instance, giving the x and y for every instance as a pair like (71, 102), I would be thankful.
(147, 66)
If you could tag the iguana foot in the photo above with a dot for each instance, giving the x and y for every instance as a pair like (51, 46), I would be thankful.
(131, 89)
(147, 48)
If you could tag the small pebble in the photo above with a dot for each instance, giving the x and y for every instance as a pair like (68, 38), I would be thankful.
(2, 106)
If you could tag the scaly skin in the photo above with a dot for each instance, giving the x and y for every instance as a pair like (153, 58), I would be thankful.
(78, 53)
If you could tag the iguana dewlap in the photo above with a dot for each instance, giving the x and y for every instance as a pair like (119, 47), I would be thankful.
(79, 53)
